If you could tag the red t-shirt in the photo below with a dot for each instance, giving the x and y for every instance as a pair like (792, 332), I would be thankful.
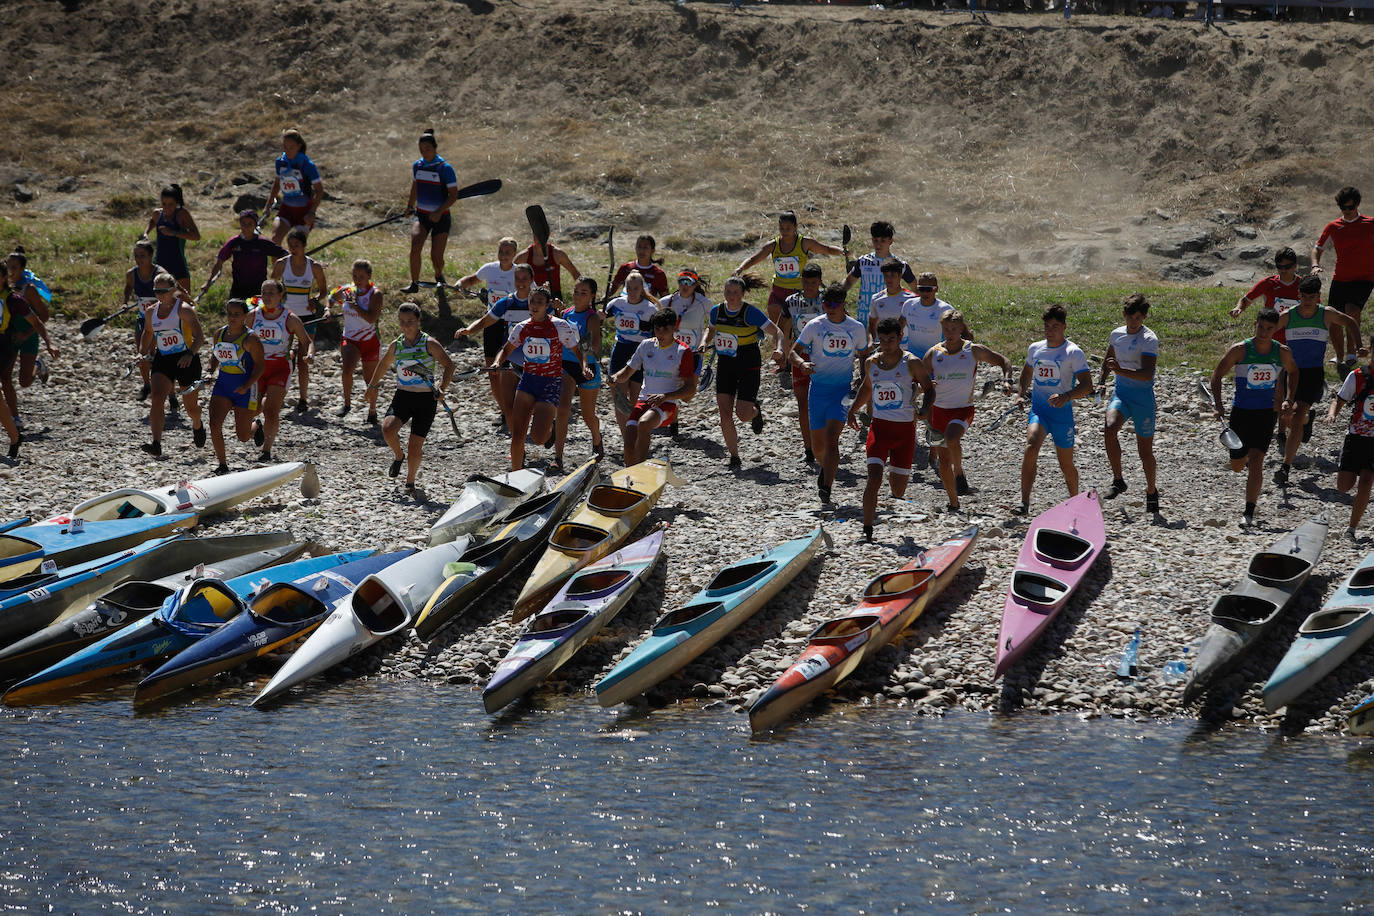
(1353, 242)
(1277, 295)
(654, 277)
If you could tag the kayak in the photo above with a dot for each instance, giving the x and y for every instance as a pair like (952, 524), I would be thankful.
(1241, 616)
(51, 598)
(730, 598)
(481, 568)
(276, 615)
(585, 604)
(130, 601)
(382, 604)
(1361, 718)
(24, 550)
(890, 603)
(1326, 638)
(203, 497)
(192, 613)
(612, 511)
(482, 499)
(1061, 545)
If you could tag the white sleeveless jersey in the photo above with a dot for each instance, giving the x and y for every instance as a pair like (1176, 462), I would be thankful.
(894, 392)
(954, 375)
(355, 326)
(169, 333)
(298, 286)
(276, 339)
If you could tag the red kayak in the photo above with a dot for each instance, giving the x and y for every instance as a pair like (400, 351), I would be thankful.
(1060, 547)
(890, 603)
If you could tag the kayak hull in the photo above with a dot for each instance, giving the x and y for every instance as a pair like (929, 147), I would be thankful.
(482, 499)
(209, 496)
(734, 595)
(24, 550)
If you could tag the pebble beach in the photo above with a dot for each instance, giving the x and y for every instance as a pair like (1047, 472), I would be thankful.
(1159, 573)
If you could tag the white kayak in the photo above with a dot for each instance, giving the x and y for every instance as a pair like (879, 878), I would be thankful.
(204, 497)
(481, 500)
(384, 603)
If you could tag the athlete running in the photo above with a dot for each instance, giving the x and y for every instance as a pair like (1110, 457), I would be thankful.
(507, 311)
(789, 253)
(303, 279)
(138, 291)
(1357, 452)
(733, 329)
(542, 339)
(651, 270)
(433, 192)
(172, 226)
(27, 327)
(922, 316)
(250, 256)
(584, 317)
(1306, 330)
(297, 186)
(172, 337)
(238, 356)
(1132, 352)
(416, 356)
(19, 323)
(497, 279)
(1279, 291)
(361, 303)
(952, 365)
(1351, 237)
(1257, 362)
(275, 327)
(892, 299)
(669, 374)
(1055, 374)
(826, 350)
(890, 379)
(630, 315)
(867, 272)
(798, 310)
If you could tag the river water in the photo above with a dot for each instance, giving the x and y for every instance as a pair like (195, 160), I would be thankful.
(403, 797)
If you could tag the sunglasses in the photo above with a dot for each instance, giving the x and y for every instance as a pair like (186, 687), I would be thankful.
(1286, 265)
(925, 289)
(685, 281)
(1345, 209)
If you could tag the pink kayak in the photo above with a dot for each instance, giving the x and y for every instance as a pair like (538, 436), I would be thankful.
(1060, 547)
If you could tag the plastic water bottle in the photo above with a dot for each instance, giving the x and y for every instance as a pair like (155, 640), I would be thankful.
(1177, 669)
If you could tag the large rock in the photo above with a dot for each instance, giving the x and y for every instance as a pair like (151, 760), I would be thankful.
(252, 200)
(1180, 241)
(1252, 252)
(1190, 269)
(586, 232)
(23, 193)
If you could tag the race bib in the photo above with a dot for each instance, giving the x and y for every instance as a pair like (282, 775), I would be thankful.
(537, 350)
(1367, 408)
(427, 175)
(1262, 375)
(626, 324)
(837, 345)
(687, 339)
(1284, 305)
(269, 334)
(1046, 373)
(788, 268)
(726, 344)
(887, 396)
(227, 354)
(290, 186)
(496, 295)
(170, 340)
(409, 378)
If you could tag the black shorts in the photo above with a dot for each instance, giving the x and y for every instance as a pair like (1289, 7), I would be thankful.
(738, 379)
(7, 351)
(620, 356)
(1357, 454)
(1255, 428)
(493, 339)
(418, 407)
(1310, 382)
(432, 226)
(167, 364)
(246, 288)
(1349, 295)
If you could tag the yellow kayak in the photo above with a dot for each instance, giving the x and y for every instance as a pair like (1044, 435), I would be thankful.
(604, 522)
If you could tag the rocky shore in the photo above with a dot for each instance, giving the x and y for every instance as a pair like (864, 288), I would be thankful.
(1158, 573)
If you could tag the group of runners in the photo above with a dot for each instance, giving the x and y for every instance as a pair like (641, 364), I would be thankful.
(905, 359)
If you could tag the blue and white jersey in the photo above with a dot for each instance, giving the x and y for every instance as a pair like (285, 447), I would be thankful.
(630, 318)
(833, 346)
(923, 329)
(1053, 370)
(1130, 350)
(868, 269)
(296, 179)
(512, 310)
(433, 178)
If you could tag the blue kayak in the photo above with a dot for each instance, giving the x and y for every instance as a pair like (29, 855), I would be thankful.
(193, 613)
(277, 615)
(26, 548)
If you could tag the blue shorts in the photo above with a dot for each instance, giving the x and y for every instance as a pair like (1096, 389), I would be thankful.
(825, 403)
(574, 371)
(544, 389)
(1058, 422)
(225, 384)
(1138, 407)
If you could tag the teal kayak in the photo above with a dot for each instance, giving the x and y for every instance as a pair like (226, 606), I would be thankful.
(194, 612)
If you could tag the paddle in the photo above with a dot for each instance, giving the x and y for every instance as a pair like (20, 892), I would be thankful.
(339, 238)
(610, 265)
(845, 235)
(1228, 436)
(539, 225)
(1003, 416)
(93, 326)
(708, 370)
(419, 369)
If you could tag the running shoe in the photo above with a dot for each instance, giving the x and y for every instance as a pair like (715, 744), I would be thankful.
(144, 391)
(343, 409)
(1152, 502)
(259, 437)
(153, 448)
(735, 464)
(756, 424)
(14, 446)
(961, 487)
(395, 469)
(198, 436)
(1281, 476)
(411, 288)
(301, 406)
(221, 470)
(1115, 488)
(40, 368)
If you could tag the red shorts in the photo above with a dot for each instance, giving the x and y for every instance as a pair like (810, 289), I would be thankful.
(369, 347)
(277, 372)
(292, 216)
(892, 444)
(777, 296)
(941, 417)
(801, 381)
(667, 410)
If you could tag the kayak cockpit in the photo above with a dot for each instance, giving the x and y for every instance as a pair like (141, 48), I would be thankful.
(572, 537)
(843, 629)
(1038, 589)
(734, 578)
(285, 604)
(18, 557)
(489, 554)
(612, 500)
(555, 620)
(1278, 569)
(900, 582)
(20, 584)
(529, 507)
(204, 604)
(1335, 619)
(133, 599)
(1362, 579)
(1060, 548)
(1243, 609)
(598, 584)
(500, 487)
(125, 503)
(377, 609)
(688, 613)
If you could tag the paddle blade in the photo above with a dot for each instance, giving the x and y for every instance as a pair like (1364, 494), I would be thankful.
(1230, 439)
(846, 234)
(1203, 391)
(539, 223)
(91, 327)
(480, 189)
